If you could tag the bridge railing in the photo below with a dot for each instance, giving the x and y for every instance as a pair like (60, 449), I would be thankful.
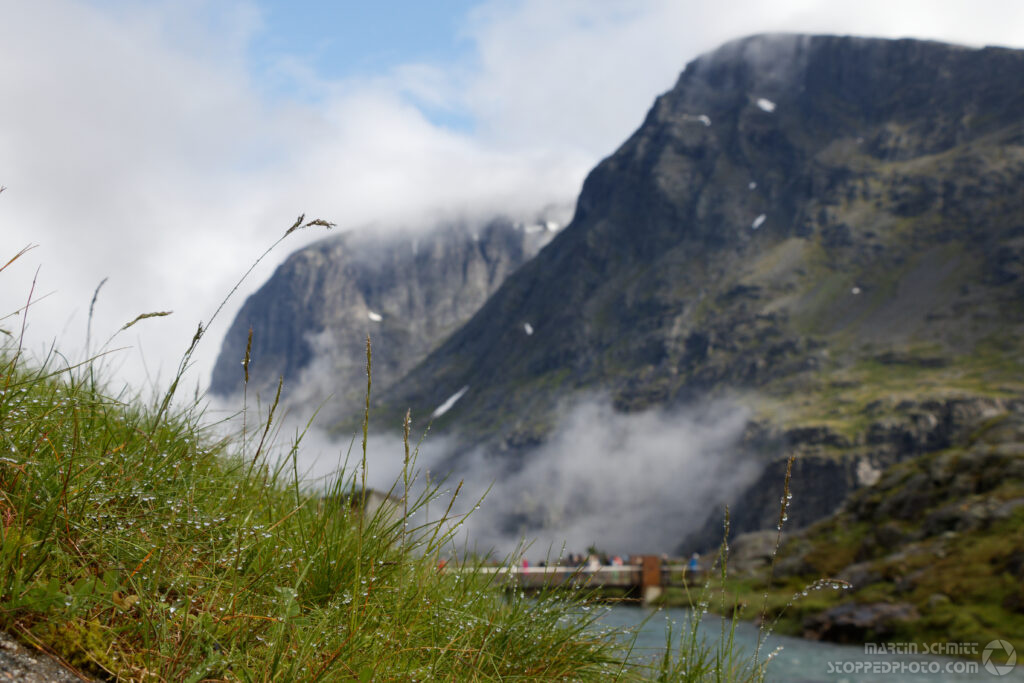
(536, 577)
(626, 575)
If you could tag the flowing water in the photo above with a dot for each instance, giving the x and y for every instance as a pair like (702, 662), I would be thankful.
(805, 660)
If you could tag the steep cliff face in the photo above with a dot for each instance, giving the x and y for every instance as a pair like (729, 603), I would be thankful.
(829, 227)
(790, 202)
(406, 291)
(826, 229)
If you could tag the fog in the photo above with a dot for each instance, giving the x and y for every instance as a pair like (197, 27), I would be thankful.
(625, 483)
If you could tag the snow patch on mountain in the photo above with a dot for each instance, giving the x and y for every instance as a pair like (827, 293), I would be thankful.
(447, 405)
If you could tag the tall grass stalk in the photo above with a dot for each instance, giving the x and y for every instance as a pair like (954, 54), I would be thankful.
(693, 657)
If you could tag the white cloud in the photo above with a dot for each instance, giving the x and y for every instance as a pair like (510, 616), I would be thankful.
(582, 74)
(630, 483)
(136, 143)
(147, 155)
(119, 148)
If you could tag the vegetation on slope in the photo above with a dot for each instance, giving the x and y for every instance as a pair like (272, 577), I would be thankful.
(933, 553)
(942, 533)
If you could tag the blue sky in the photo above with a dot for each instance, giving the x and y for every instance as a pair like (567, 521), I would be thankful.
(165, 143)
(346, 39)
(353, 41)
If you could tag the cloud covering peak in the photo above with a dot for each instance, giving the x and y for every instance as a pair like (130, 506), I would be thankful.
(152, 144)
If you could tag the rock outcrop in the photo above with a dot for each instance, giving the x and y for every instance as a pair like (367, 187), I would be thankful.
(829, 466)
(407, 291)
(934, 547)
(856, 623)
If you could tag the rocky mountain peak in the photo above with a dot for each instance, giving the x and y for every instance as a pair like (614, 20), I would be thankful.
(823, 228)
(407, 290)
(798, 218)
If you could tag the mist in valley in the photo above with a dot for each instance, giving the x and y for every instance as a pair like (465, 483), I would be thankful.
(624, 483)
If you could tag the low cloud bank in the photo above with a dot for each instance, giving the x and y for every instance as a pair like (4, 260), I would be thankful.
(626, 483)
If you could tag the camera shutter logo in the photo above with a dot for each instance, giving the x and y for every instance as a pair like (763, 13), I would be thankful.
(999, 646)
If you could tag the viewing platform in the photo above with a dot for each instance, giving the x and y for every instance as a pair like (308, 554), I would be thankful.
(647, 579)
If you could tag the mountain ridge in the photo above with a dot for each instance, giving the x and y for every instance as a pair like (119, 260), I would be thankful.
(680, 185)
(829, 232)
(816, 224)
(405, 289)
(826, 229)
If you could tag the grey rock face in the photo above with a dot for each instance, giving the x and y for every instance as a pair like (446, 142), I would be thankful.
(752, 550)
(791, 194)
(407, 291)
(796, 206)
(19, 663)
(821, 478)
(855, 623)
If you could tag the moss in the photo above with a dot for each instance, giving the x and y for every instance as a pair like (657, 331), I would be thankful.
(829, 558)
(84, 644)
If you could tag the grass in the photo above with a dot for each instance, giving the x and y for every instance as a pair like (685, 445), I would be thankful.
(688, 656)
(136, 544)
(145, 549)
(848, 397)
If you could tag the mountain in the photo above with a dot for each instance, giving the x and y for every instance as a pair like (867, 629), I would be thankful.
(812, 247)
(406, 290)
(828, 229)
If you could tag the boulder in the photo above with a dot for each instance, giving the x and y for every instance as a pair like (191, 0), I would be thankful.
(856, 623)
(860, 575)
(753, 550)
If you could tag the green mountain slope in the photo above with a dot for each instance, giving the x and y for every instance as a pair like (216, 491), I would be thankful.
(933, 552)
